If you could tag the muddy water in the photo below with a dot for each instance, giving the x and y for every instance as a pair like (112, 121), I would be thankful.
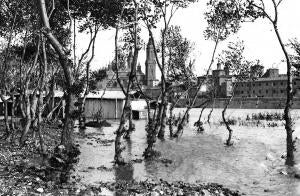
(253, 165)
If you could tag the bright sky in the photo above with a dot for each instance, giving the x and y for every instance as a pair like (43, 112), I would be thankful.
(260, 40)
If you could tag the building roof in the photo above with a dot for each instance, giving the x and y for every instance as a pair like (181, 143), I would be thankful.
(108, 94)
(281, 78)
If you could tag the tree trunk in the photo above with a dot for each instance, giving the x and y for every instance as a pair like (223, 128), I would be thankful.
(199, 123)
(290, 143)
(131, 127)
(43, 72)
(27, 118)
(13, 129)
(190, 106)
(228, 141)
(67, 132)
(211, 111)
(151, 139)
(39, 124)
(161, 133)
(171, 119)
(118, 148)
(66, 63)
(7, 128)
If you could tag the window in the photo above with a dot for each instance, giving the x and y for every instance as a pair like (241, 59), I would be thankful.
(259, 91)
(295, 83)
(242, 85)
(281, 91)
(259, 84)
(253, 84)
(267, 91)
(274, 91)
(242, 92)
(267, 83)
(253, 91)
(274, 83)
(281, 83)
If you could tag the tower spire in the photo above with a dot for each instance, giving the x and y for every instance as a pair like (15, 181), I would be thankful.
(150, 64)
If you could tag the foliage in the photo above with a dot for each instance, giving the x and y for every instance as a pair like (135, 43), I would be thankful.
(230, 121)
(232, 58)
(178, 50)
(267, 116)
(256, 70)
(98, 116)
(97, 76)
(225, 17)
(295, 56)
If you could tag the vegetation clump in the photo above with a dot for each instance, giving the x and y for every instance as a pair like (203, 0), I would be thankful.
(166, 188)
(98, 124)
(268, 116)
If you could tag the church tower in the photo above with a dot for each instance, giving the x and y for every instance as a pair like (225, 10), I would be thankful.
(150, 64)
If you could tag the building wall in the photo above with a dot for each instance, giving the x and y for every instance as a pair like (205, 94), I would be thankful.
(109, 108)
(255, 103)
(266, 88)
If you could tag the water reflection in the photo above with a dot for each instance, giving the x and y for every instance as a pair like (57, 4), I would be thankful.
(198, 157)
(124, 172)
(128, 144)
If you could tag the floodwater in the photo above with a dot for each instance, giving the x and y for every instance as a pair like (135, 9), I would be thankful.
(253, 165)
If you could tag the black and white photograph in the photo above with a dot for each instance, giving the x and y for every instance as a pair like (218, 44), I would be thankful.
(149, 97)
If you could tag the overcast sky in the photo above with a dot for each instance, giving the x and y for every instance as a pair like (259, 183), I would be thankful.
(260, 39)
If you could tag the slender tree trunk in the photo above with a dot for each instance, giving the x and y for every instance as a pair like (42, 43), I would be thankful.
(39, 124)
(52, 100)
(131, 127)
(151, 139)
(228, 141)
(27, 118)
(33, 108)
(151, 129)
(211, 111)
(13, 129)
(43, 72)
(290, 143)
(161, 133)
(199, 123)
(190, 106)
(7, 128)
(171, 120)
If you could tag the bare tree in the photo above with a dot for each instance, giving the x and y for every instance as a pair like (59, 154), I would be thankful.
(220, 26)
(258, 7)
(66, 136)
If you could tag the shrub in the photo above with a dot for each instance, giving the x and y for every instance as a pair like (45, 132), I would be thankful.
(266, 116)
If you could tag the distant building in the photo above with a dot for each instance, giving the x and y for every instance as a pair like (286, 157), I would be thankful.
(271, 84)
(108, 103)
(150, 65)
(147, 80)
